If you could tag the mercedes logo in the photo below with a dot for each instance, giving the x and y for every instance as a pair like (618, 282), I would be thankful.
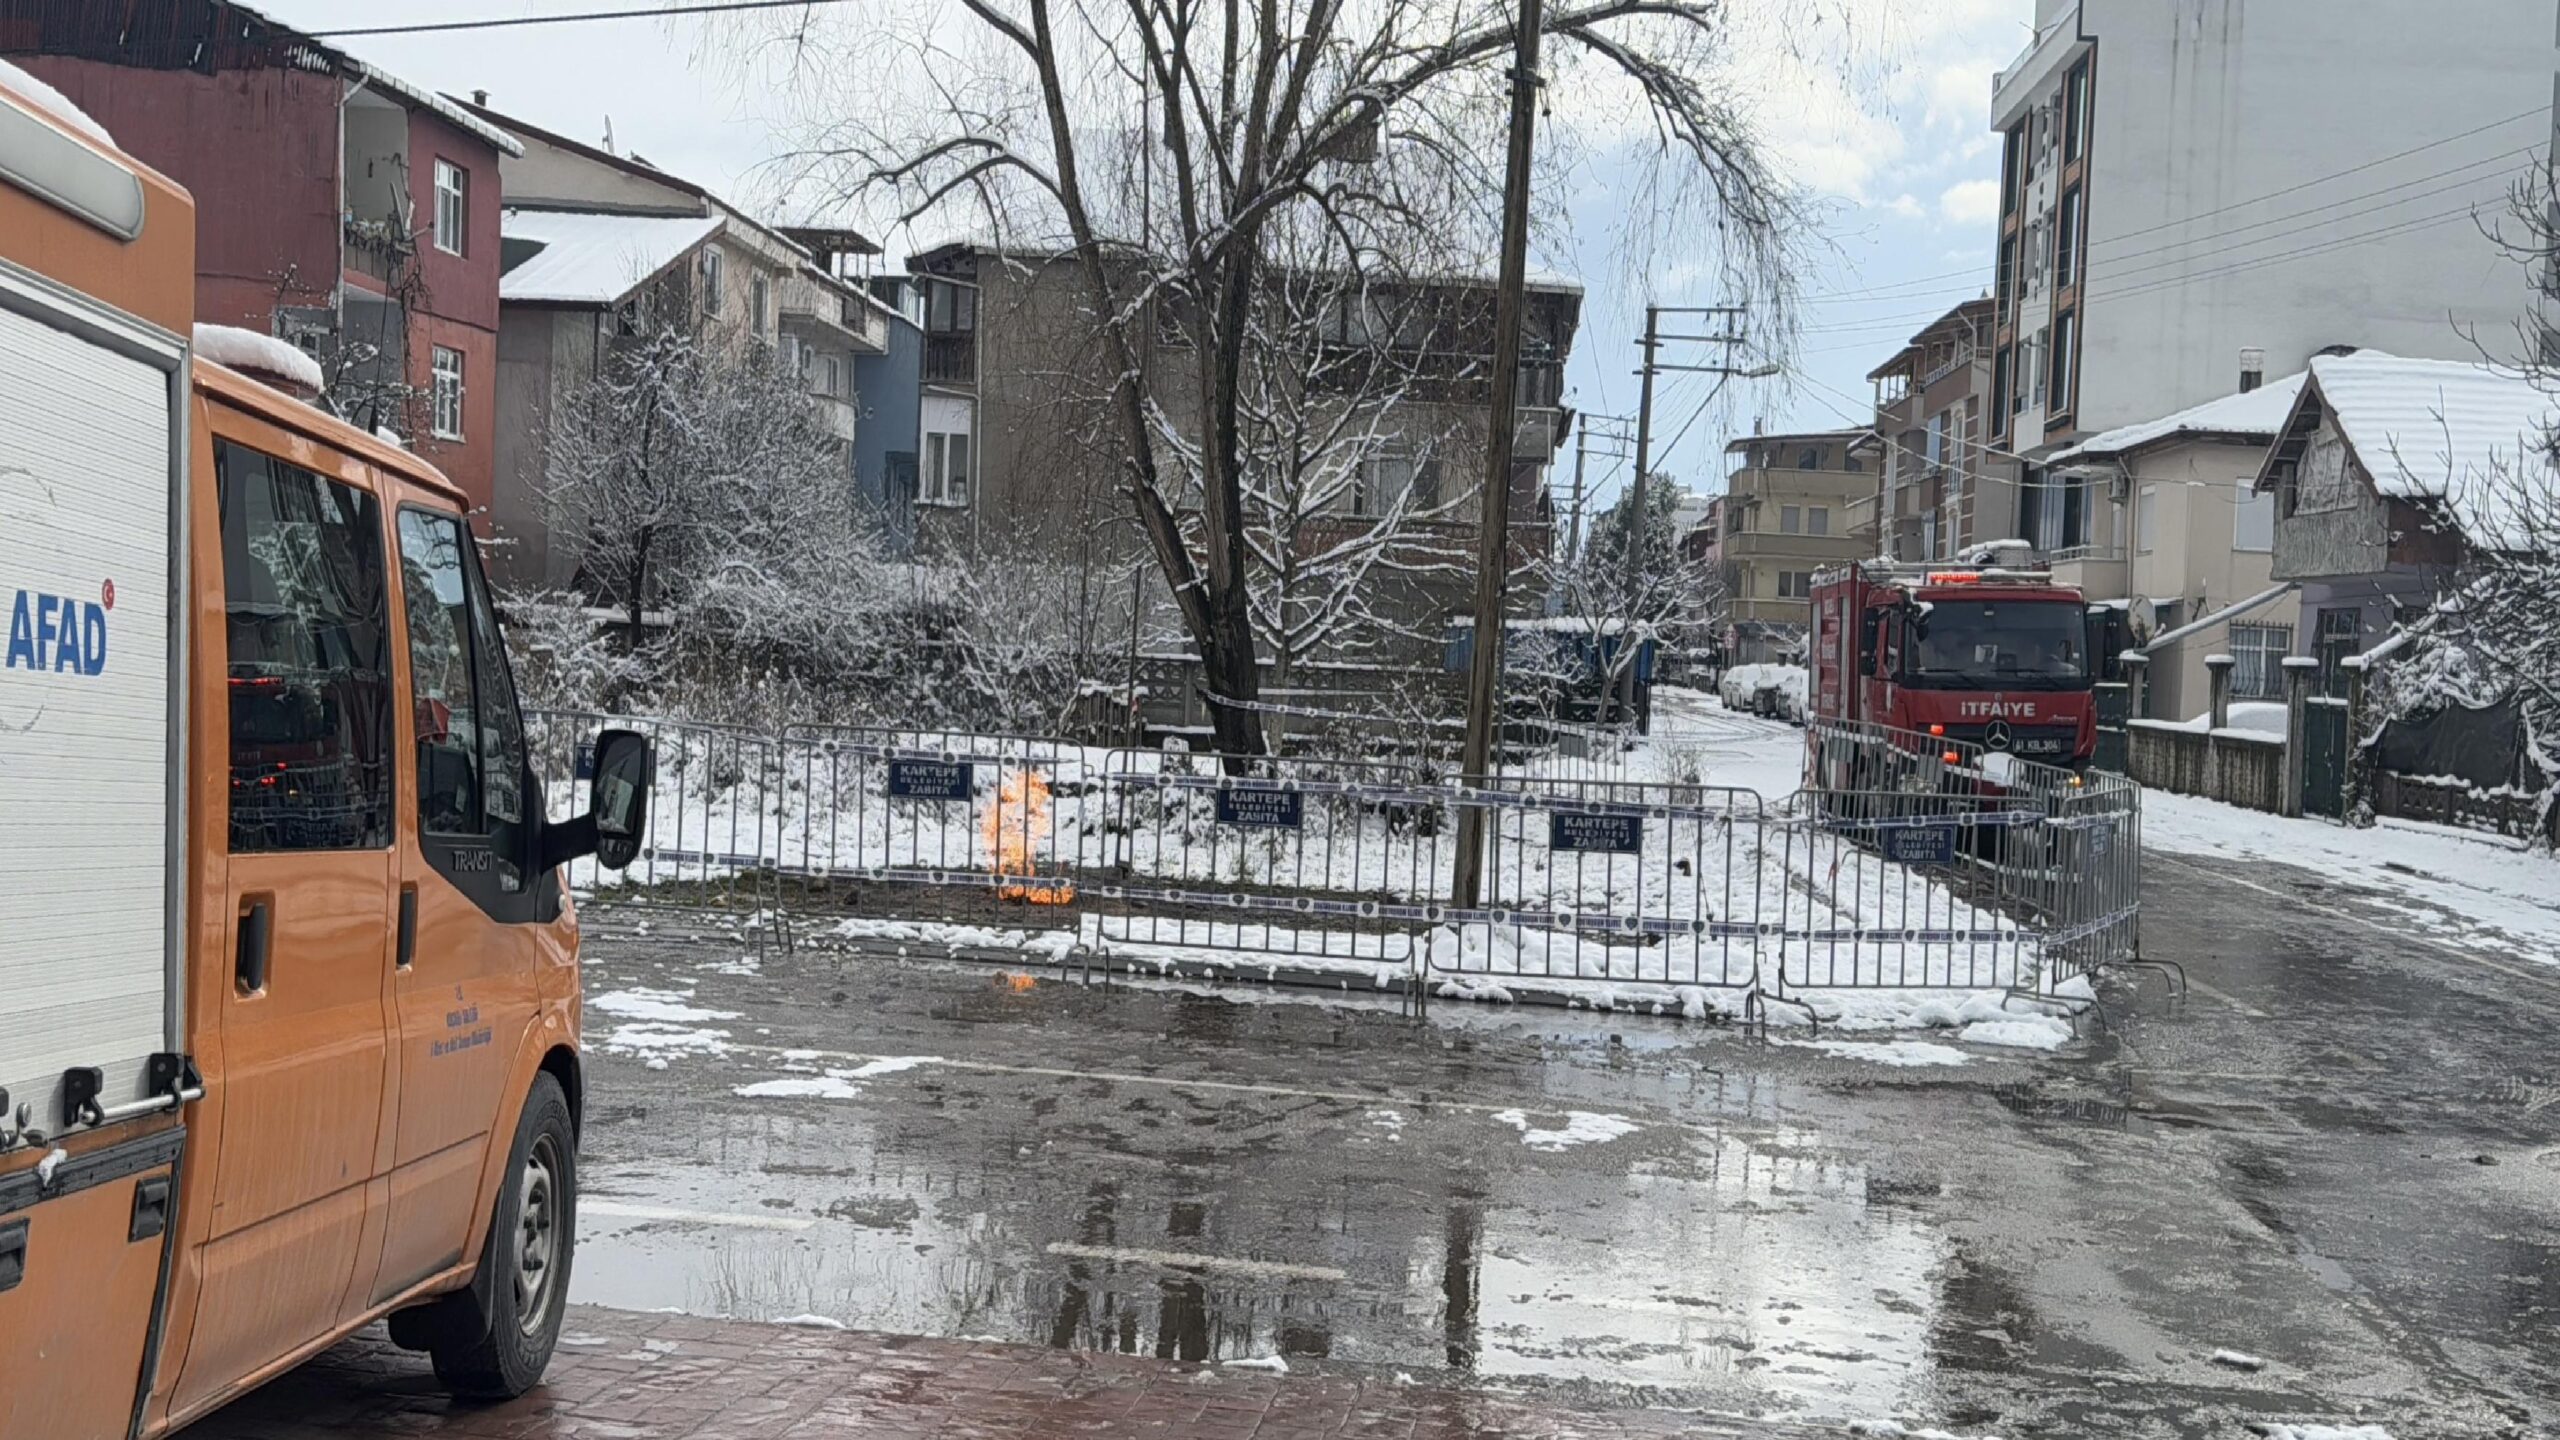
(1995, 736)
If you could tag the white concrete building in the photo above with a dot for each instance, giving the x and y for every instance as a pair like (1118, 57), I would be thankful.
(2189, 180)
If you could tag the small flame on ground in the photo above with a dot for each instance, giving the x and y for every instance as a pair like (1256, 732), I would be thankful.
(1017, 823)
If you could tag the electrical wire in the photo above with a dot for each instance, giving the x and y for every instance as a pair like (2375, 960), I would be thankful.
(510, 22)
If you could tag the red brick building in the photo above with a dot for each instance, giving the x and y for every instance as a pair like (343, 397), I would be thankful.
(337, 205)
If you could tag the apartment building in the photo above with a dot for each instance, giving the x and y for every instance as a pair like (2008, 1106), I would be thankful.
(1019, 447)
(597, 243)
(1785, 515)
(2184, 180)
(1940, 485)
(338, 206)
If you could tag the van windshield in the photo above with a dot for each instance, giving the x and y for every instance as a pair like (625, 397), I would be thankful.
(1999, 645)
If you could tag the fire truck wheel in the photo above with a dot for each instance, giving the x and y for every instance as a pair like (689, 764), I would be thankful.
(496, 1342)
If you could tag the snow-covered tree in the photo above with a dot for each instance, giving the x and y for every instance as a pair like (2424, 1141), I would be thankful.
(1184, 152)
(1666, 595)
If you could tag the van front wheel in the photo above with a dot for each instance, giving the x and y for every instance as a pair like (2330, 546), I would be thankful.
(500, 1334)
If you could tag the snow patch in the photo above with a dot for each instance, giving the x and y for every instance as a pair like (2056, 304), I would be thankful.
(52, 102)
(2024, 1032)
(834, 1085)
(256, 354)
(658, 1040)
(888, 1065)
(1909, 1053)
(812, 1322)
(1581, 1127)
(2238, 1360)
(51, 1162)
(2322, 1432)
(1272, 1363)
(663, 1005)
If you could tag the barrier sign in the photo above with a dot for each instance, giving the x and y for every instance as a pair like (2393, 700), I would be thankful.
(1614, 834)
(1933, 844)
(1270, 809)
(929, 780)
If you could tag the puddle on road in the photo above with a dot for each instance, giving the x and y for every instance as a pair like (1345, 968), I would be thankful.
(1209, 1228)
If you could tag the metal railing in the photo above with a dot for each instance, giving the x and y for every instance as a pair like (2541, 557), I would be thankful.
(1907, 862)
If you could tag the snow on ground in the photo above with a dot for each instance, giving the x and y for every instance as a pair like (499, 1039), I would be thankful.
(671, 1006)
(1896, 1053)
(1581, 1127)
(1051, 945)
(2323, 1432)
(2470, 890)
(834, 1083)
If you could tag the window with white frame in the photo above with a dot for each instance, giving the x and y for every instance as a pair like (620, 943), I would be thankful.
(711, 263)
(453, 208)
(2146, 519)
(945, 480)
(2260, 651)
(2253, 519)
(1390, 474)
(1817, 520)
(760, 304)
(1790, 519)
(1795, 584)
(835, 378)
(447, 393)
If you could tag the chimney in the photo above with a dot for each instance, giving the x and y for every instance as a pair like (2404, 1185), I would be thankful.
(480, 98)
(2253, 368)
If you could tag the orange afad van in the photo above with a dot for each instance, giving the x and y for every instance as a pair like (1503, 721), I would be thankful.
(288, 973)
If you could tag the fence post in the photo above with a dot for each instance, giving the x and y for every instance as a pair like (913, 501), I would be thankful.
(2356, 785)
(2217, 672)
(2297, 749)
(2137, 700)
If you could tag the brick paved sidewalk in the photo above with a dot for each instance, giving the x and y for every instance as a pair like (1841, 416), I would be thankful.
(626, 1376)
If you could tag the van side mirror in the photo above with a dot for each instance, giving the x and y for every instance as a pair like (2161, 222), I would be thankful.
(619, 770)
(618, 799)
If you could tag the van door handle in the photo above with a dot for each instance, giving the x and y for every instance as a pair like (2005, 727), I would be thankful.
(408, 926)
(249, 965)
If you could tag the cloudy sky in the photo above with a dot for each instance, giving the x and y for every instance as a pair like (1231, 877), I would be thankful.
(1879, 115)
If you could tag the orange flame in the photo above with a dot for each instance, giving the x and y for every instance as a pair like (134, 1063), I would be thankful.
(1018, 822)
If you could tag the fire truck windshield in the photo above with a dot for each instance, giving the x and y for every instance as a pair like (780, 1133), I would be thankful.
(1998, 645)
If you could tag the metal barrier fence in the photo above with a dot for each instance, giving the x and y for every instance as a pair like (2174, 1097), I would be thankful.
(1906, 863)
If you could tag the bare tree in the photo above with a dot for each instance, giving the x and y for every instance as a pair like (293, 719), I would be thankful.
(1666, 597)
(1362, 136)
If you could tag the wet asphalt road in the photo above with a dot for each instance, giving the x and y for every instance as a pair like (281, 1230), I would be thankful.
(2339, 1153)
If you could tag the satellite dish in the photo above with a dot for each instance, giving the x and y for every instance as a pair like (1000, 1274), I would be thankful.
(2145, 619)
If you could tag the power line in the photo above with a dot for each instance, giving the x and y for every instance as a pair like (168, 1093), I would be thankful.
(2112, 263)
(1911, 289)
(510, 22)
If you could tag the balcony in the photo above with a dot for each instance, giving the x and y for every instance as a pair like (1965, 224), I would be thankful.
(951, 359)
(831, 317)
(839, 414)
(376, 249)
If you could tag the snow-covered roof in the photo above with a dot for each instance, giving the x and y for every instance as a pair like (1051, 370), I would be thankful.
(589, 258)
(2258, 414)
(444, 109)
(52, 102)
(2444, 430)
(252, 353)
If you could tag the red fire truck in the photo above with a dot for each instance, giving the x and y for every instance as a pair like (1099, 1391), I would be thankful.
(1994, 654)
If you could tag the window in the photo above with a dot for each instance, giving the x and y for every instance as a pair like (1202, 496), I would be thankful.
(2075, 112)
(2253, 519)
(946, 470)
(1809, 458)
(1795, 584)
(1853, 464)
(2066, 333)
(2066, 240)
(471, 751)
(309, 664)
(835, 377)
(2260, 651)
(1790, 519)
(447, 393)
(951, 308)
(2009, 280)
(1817, 520)
(711, 266)
(2013, 169)
(453, 211)
(2038, 348)
(2146, 519)
(2001, 364)
(760, 304)
(2340, 634)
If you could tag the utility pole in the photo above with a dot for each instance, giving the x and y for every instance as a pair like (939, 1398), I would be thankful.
(1653, 340)
(1573, 526)
(1493, 550)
